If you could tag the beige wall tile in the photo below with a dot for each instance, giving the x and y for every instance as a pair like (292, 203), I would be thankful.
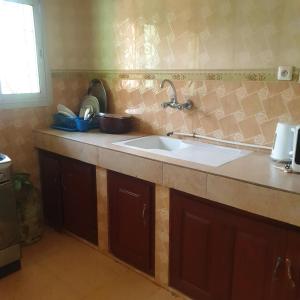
(210, 102)
(231, 86)
(229, 125)
(274, 106)
(294, 108)
(253, 86)
(249, 128)
(268, 130)
(277, 87)
(230, 104)
(296, 88)
(252, 105)
(209, 123)
(186, 180)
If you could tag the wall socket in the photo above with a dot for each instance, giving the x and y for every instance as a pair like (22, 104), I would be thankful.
(285, 73)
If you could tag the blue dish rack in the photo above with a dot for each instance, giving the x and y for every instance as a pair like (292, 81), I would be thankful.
(73, 124)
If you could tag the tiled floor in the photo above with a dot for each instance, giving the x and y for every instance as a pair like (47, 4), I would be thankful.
(61, 268)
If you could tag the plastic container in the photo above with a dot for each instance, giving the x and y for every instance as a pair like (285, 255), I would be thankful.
(82, 125)
(64, 122)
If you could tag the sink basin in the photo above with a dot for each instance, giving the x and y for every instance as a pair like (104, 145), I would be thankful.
(157, 142)
(197, 152)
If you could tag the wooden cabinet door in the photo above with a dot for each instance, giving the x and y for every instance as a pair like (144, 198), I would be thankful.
(291, 289)
(131, 220)
(80, 199)
(51, 189)
(258, 259)
(220, 254)
(201, 249)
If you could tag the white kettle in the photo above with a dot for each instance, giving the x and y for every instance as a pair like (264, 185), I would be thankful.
(283, 143)
(296, 149)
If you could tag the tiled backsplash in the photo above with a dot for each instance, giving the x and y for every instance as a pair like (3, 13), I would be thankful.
(234, 110)
(246, 111)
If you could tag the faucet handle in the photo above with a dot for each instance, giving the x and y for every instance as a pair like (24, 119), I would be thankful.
(187, 105)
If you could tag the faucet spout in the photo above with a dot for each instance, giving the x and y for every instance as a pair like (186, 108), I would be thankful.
(162, 85)
(173, 103)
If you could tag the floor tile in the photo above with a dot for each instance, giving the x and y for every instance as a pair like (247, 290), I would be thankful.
(34, 283)
(163, 294)
(59, 267)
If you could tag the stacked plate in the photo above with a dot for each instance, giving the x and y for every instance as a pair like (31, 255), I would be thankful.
(65, 111)
(90, 104)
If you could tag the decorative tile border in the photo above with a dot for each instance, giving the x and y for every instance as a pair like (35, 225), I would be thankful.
(225, 75)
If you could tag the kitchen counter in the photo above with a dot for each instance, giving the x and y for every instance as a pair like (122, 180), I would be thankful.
(256, 168)
(250, 183)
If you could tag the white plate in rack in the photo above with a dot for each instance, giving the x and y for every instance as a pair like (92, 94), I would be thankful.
(89, 102)
(65, 111)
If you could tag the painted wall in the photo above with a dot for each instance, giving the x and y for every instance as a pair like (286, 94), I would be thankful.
(197, 34)
(169, 34)
(69, 34)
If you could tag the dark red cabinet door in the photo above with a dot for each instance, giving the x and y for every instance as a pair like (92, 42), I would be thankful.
(292, 268)
(79, 198)
(131, 220)
(259, 250)
(201, 247)
(51, 189)
(218, 254)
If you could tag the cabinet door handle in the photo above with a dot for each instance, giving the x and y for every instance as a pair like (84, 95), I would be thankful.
(129, 193)
(276, 268)
(144, 214)
(290, 272)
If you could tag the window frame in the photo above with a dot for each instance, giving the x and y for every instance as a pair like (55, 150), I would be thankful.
(44, 97)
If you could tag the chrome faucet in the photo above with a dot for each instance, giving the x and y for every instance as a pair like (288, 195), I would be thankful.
(173, 103)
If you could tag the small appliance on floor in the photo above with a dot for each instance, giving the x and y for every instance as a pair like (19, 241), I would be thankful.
(9, 229)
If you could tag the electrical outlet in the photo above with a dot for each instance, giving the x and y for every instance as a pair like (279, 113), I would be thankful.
(285, 73)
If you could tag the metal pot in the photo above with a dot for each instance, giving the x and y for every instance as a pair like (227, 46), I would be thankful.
(115, 123)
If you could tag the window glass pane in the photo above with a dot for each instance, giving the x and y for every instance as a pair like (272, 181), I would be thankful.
(18, 53)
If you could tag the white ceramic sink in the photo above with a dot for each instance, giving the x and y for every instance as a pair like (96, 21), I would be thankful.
(197, 152)
(157, 142)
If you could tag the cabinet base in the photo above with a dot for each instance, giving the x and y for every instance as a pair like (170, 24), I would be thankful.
(10, 268)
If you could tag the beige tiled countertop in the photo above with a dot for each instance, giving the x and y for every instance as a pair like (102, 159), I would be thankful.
(250, 183)
(256, 168)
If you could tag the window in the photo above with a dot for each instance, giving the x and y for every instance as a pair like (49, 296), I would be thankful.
(23, 76)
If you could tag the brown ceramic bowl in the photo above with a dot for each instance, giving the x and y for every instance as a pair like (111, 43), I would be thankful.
(114, 123)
